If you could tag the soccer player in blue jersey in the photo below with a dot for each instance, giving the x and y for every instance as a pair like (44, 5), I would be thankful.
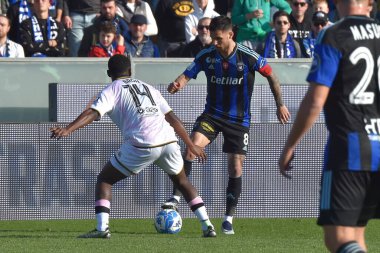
(230, 70)
(344, 80)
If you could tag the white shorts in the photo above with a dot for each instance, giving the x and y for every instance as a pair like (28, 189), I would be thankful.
(130, 160)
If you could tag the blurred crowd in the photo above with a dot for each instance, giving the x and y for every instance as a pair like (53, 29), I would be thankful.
(159, 28)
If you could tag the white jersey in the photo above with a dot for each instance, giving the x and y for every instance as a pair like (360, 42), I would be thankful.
(138, 109)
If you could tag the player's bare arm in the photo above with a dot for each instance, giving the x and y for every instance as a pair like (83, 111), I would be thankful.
(283, 114)
(85, 118)
(178, 83)
(176, 123)
(308, 112)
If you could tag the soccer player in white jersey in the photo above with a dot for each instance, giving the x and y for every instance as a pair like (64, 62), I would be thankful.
(148, 125)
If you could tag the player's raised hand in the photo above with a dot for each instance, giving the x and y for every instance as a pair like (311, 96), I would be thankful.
(198, 152)
(284, 162)
(283, 114)
(174, 87)
(58, 132)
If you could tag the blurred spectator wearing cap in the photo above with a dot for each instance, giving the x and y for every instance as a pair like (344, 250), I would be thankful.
(202, 8)
(18, 12)
(300, 23)
(279, 43)
(109, 42)
(78, 15)
(128, 8)
(202, 40)
(253, 18)
(138, 44)
(321, 5)
(320, 20)
(108, 13)
(170, 16)
(41, 35)
(8, 48)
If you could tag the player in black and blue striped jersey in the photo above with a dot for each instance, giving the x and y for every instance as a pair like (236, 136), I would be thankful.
(344, 80)
(230, 70)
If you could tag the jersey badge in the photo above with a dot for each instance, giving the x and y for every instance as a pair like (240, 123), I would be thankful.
(225, 65)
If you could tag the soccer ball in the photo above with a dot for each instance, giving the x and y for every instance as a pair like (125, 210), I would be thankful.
(168, 221)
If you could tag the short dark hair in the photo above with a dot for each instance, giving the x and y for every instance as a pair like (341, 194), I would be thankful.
(280, 13)
(107, 1)
(119, 65)
(107, 27)
(222, 23)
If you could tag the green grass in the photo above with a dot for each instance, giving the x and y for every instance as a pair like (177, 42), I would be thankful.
(139, 235)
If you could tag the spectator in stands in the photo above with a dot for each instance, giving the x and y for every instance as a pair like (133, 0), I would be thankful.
(78, 14)
(109, 42)
(17, 13)
(56, 9)
(320, 20)
(41, 35)
(128, 8)
(253, 18)
(300, 24)
(91, 33)
(170, 16)
(279, 43)
(4, 5)
(8, 48)
(321, 5)
(223, 7)
(333, 12)
(202, 40)
(202, 8)
(138, 44)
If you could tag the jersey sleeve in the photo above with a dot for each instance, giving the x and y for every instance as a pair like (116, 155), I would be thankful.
(194, 68)
(325, 63)
(106, 100)
(262, 66)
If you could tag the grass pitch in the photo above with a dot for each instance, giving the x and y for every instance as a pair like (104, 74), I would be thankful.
(139, 235)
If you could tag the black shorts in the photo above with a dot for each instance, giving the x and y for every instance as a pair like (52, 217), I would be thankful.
(349, 198)
(236, 137)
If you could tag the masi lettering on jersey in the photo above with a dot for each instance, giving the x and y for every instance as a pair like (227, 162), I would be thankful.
(365, 32)
(347, 60)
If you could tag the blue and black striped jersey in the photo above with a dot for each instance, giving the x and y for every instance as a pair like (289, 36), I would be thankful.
(229, 81)
(347, 59)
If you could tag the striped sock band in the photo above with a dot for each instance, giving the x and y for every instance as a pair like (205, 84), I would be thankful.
(350, 247)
